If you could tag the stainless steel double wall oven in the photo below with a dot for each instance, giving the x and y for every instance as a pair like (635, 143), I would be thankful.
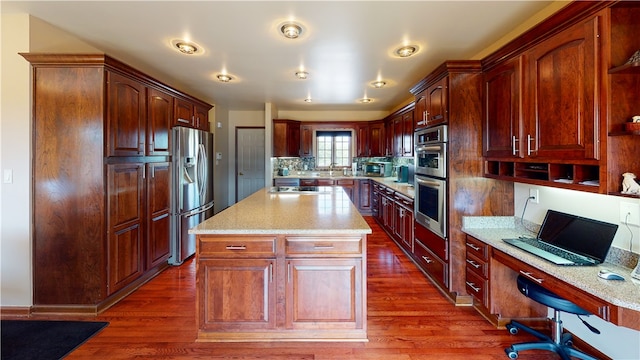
(431, 178)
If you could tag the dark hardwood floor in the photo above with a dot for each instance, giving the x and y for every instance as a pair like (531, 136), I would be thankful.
(408, 319)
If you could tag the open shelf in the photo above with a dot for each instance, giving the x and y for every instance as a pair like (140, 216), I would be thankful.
(571, 176)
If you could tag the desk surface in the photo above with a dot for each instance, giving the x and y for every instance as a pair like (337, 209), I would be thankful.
(491, 230)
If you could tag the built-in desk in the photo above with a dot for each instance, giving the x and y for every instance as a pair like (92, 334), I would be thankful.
(615, 301)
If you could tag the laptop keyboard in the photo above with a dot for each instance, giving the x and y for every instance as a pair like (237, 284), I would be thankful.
(554, 250)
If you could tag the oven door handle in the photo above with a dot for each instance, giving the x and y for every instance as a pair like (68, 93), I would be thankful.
(430, 148)
(428, 182)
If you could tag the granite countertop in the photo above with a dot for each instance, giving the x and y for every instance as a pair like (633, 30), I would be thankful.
(328, 211)
(492, 229)
(391, 182)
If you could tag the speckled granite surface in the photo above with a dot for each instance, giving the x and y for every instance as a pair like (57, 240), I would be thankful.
(328, 212)
(492, 229)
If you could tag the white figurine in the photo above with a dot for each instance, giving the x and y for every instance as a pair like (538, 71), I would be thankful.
(629, 185)
(635, 119)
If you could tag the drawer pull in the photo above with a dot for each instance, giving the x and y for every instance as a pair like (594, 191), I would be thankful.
(472, 286)
(473, 247)
(427, 260)
(473, 263)
(236, 247)
(322, 247)
(531, 277)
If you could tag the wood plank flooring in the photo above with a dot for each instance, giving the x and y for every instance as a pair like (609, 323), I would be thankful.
(408, 320)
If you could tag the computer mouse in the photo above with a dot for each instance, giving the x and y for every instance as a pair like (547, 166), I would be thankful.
(609, 275)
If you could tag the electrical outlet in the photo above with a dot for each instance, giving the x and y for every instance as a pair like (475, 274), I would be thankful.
(534, 196)
(630, 213)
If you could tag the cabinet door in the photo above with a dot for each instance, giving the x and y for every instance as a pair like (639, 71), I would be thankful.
(183, 113)
(420, 112)
(159, 122)
(363, 140)
(407, 134)
(563, 82)
(236, 294)
(306, 140)
(437, 108)
(158, 209)
(201, 118)
(126, 117)
(324, 294)
(376, 139)
(398, 134)
(502, 92)
(349, 187)
(364, 195)
(387, 213)
(125, 223)
(389, 138)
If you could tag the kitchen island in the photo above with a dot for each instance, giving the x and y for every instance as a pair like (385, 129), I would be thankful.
(283, 266)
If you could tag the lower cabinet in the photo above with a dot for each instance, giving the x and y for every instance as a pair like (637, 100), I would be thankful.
(403, 221)
(431, 254)
(281, 287)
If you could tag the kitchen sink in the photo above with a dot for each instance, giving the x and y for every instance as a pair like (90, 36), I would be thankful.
(299, 189)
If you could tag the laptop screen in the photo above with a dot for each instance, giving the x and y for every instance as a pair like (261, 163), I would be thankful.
(580, 235)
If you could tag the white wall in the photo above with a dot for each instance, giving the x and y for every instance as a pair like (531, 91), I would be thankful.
(15, 156)
(616, 342)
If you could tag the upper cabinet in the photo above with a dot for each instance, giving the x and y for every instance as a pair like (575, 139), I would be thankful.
(286, 138)
(502, 99)
(190, 114)
(126, 115)
(560, 90)
(431, 105)
(557, 97)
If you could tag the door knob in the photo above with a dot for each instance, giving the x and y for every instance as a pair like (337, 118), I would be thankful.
(240, 174)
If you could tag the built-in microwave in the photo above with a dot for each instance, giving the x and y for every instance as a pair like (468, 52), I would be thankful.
(431, 151)
(381, 169)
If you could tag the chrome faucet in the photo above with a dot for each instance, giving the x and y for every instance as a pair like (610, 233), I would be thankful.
(331, 169)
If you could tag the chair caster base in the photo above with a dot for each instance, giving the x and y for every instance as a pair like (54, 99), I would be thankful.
(511, 353)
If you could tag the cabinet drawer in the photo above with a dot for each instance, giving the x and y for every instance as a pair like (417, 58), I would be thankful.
(345, 182)
(325, 182)
(236, 246)
(404, 201)
(430, 263)
(432, 241)
(330, 245)
(581, 298)
(476, 265)
(477, 286)
(308, 182)
(478, 248)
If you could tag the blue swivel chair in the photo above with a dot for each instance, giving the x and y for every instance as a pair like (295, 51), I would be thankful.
(559, 342)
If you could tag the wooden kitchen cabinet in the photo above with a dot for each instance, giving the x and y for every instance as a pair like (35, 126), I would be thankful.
(321, 293)
(398, 130)
(376, 138)
(403, 221)
(306, 140)
(502, 122)
(190, 114)
(101, 164)
(364, 198)
(286, 138)
(239, 293)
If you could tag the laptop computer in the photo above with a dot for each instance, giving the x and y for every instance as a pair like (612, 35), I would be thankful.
(566, 239)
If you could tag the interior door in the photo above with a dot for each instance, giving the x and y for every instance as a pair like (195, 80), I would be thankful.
(250, 161)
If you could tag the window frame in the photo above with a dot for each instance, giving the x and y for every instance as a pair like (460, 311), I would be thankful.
(352, 146)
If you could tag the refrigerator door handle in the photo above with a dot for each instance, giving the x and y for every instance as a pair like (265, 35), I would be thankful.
(199, 210)
(202, 169)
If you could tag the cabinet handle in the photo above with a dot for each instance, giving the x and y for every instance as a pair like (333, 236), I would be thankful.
(322, 247)
(426, 116)
(288, 272)
(476, 248)
(514, 149)
(529, 139)
(472, 286)
(603, 311)
(427, 260)
(473, 263)
(531, 277)
(271, 272)
(183, 120)
(237, 247)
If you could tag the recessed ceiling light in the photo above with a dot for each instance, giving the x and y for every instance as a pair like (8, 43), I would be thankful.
(291, 30)
(187, 47)
(302, 75)
(406, 51)
(224, 78)
(378, 84)
(365, 100)
(308, 100)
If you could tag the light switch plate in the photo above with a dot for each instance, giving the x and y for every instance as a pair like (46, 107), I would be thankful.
(7, 176)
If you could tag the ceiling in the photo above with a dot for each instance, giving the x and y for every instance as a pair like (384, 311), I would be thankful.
(344, 45)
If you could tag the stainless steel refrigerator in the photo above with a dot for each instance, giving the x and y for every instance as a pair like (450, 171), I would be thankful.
(192, 189)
